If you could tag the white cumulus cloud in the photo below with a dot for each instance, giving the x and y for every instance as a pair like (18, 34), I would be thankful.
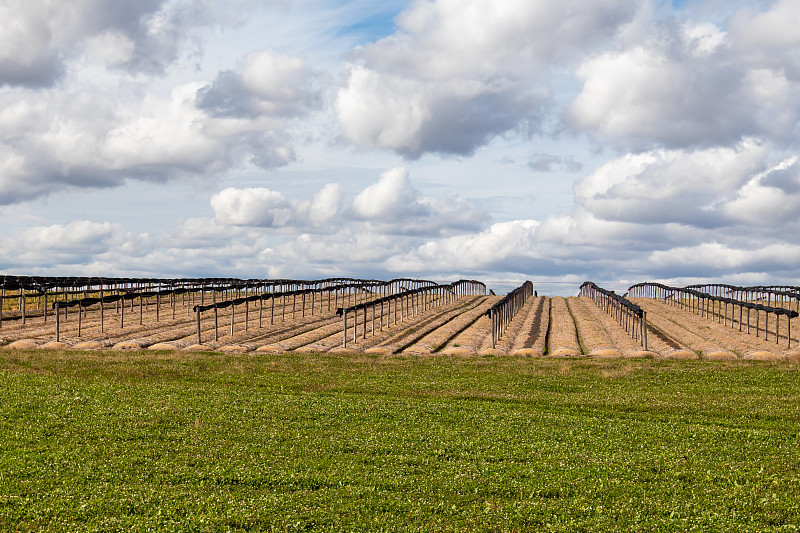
(252, 207)
(458, 73)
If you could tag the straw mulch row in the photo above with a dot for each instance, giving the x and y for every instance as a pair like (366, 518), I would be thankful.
(711, 338)
(693, 344)
(437, 339)
(563, 337)
(593, 335)
(734, 316)
(305, 334)
(620, 341)
(475, 339)
(526, 333)
(408, 332)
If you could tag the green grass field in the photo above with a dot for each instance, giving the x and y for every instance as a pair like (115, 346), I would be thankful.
(209, 442)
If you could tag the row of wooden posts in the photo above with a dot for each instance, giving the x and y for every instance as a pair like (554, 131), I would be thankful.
(629, 316)
(119, 300)
(403, 305)
(308, 299)
(42, 289)
(715, 306)
(106, 294)
(45, 291)
(501, 313)
(771, 296)
(119, 291)
(370, 289)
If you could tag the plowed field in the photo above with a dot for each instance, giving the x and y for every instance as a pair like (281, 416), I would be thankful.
(555, 327)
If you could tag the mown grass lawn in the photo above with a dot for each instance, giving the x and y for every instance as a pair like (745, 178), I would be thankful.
(209, 442)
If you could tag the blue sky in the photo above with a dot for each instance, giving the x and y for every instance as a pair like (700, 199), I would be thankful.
(617, 141)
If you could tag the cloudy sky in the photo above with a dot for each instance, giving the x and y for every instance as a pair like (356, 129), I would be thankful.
(614, 140)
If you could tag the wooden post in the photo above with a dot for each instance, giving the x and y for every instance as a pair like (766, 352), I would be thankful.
(58, 323)
(122, 315)
(24, 302)
(494, 331)
(344, 328)
(364, 336)
(216, 324)
(198, 327)
(79, 320)
(777, 324)
(644, 326)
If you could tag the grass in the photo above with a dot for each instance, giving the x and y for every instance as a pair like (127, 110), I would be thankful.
(209, 442)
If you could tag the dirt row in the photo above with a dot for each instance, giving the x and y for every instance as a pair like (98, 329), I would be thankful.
(545, 326)
(709, 337)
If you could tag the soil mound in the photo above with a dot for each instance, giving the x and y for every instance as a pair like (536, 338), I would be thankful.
(234, 348)
(640, 353)
(162, 346)
(762, 356)
(22, 344)
(492, 351)
(88, 345)
(53, 345)
(270, 348)
(721, 355)
(127, 345)
(681, 354)
(198, 348)
(605, 353)
(527, 352)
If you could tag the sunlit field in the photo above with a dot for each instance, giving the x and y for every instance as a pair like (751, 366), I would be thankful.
(169, 441)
